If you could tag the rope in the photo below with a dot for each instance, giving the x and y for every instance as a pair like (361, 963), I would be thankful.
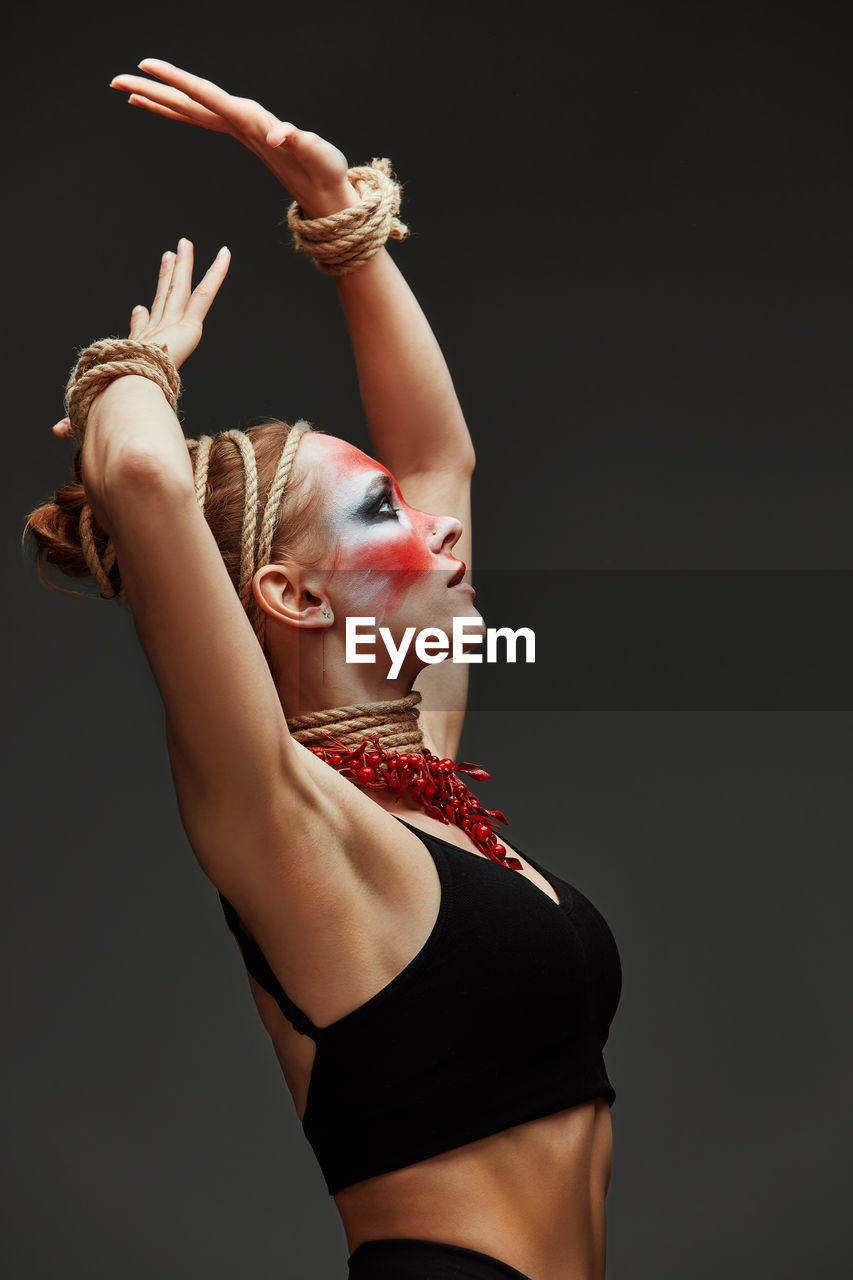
(396, 723)
(95, 369)
(252, 557)
(111, 358)
(344, 241)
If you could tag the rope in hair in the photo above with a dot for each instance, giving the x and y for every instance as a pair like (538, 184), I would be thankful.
(99, 569)
(252, 556)
(396, 723)
(344, 241)
(250, 513)
(111, 358)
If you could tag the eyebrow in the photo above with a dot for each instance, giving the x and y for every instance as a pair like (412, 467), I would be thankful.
(381, 481)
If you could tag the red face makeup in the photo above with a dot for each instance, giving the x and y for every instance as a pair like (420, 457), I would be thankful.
(384, 558)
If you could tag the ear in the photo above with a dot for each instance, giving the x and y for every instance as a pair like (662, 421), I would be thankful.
(281, 593)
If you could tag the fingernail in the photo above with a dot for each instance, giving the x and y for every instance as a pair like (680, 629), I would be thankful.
(222, 251)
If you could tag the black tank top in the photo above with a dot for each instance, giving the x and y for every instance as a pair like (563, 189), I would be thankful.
(500, 1018)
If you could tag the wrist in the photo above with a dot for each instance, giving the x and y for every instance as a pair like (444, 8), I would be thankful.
(322, 203)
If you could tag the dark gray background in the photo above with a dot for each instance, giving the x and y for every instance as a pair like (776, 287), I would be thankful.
(632, 237)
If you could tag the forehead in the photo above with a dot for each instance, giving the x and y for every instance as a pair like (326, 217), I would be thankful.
(332, 461)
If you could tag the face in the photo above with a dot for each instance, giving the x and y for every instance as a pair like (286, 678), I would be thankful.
(382, 558)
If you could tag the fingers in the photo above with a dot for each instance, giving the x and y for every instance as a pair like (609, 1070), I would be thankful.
(211, 122)
(180, 283)
(208, 287)
(138, 320)
(203, 92)
(62, 429)
(167, 263)
(163, 100)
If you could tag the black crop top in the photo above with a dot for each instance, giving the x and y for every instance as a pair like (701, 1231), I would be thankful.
(500, 1018)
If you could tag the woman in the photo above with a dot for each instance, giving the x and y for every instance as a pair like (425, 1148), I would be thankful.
(439, 1019)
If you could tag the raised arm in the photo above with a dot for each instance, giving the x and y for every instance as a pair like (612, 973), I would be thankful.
(239, 777)
(410, 404)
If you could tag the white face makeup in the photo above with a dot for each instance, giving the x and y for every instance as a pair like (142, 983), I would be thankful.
(384, 559)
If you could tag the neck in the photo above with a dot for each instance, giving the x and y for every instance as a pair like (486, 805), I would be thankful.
(314, 676)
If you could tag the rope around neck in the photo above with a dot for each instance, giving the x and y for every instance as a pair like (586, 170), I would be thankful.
(396, 723)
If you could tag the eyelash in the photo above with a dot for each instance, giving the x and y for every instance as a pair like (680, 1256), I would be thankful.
(385, 501)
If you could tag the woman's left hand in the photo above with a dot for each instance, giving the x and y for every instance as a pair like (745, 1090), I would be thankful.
(311, 169)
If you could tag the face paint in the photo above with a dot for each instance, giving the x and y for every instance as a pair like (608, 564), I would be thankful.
(379, 549)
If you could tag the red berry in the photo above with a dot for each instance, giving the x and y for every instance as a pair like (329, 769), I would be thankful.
(482, 832)
(373, 758)
(366, 774)
(335, 759)
(500, 850)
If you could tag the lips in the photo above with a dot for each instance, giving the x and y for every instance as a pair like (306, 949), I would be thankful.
(458, 576)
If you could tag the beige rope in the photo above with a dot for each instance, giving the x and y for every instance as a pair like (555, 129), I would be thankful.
(396, 723)
(98, 569)
(95, 369)
(252, 557)
(344, 241)
(250, 512)
(201, 461)
(111, 358)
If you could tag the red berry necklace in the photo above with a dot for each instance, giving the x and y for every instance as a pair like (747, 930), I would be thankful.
(431, 782)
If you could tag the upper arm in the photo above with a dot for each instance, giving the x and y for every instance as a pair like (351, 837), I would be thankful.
(228, 739)
(443, 686)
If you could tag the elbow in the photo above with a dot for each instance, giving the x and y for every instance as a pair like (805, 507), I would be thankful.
(141, 468)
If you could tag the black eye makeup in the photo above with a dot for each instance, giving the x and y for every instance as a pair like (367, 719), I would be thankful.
(380, 505)
(386, 507)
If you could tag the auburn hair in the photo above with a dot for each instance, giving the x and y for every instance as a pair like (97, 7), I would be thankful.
(55, 524)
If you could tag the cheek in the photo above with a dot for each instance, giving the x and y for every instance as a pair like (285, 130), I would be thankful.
(384, 570)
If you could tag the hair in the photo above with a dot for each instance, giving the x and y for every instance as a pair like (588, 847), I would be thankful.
(55, 524)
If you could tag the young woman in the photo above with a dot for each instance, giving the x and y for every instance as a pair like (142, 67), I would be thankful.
(437, 1001)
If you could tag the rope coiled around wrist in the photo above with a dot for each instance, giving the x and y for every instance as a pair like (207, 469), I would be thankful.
(111, 358)
(97, 366)
(344, 241)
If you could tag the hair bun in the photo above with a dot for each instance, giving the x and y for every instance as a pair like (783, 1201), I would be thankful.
(55, 525)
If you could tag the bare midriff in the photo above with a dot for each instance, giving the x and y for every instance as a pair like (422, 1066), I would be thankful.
(532, 1196)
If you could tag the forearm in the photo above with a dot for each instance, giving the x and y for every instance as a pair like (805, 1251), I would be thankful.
(411, 407)
(131, 418)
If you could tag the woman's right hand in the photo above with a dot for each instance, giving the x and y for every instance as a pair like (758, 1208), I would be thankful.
(177, 314)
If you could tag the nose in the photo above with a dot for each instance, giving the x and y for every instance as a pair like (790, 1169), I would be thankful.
(446, 532)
